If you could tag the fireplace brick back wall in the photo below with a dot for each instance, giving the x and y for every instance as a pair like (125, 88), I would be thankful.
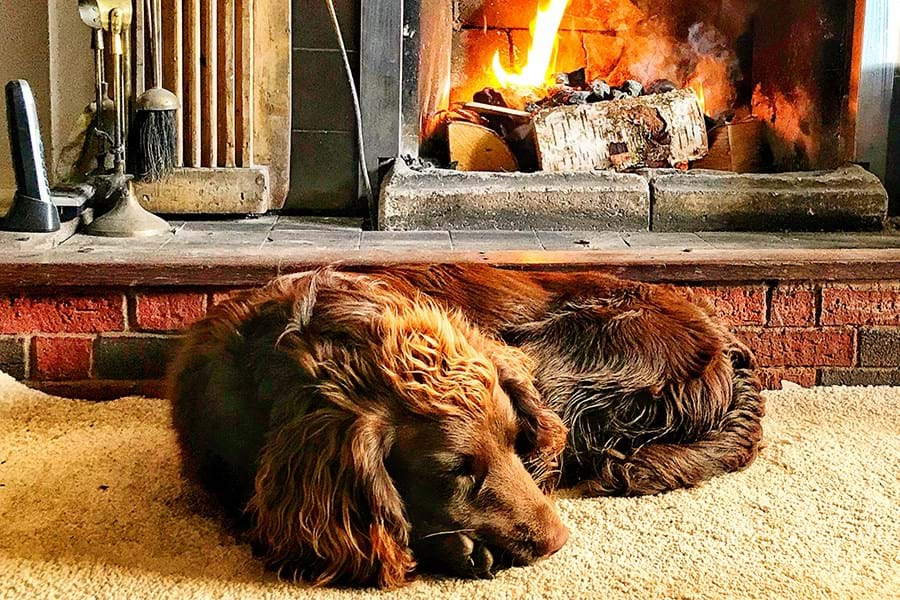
(104, 345)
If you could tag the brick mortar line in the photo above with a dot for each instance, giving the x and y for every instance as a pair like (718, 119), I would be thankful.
(510, 29)
(126, 318)
(131, 310)
(795, 328)
(139, 335)
(62, 335)
(857, 347)
(90, 371)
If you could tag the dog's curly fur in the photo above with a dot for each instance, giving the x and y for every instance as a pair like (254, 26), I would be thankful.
(300, 397)
(656, 392)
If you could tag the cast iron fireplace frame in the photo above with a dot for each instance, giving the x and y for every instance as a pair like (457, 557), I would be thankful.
(391, 55)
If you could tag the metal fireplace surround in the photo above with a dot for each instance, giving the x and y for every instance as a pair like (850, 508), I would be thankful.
(405, 67)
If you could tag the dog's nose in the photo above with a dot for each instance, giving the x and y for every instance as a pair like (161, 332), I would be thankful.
(555, 540)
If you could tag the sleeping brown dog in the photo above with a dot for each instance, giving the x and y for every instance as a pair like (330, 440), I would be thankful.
(656, 393)
(363, 428)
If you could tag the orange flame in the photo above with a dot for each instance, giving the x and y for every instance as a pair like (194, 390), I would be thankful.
(541, 55)
(697, 86)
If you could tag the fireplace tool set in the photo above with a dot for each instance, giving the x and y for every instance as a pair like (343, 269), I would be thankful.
(35, 207)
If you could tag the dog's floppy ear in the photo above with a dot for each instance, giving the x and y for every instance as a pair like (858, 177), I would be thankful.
(325, 508)
(542, 434)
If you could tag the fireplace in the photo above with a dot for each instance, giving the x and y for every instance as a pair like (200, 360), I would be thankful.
(808, 83)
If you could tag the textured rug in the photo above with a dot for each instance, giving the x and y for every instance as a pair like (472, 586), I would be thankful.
(91, 505)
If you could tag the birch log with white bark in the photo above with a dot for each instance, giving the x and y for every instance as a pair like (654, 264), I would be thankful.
(659, 130)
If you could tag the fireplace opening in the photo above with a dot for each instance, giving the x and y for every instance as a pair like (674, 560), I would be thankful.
(668, 115)
(775, 85)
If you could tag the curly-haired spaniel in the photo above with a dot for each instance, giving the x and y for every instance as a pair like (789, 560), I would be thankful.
(363, 428)
(366, 420)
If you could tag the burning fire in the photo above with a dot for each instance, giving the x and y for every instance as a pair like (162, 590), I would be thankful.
(541, 55)
(625, 41)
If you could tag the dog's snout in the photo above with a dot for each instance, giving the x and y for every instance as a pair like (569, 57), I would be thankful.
(555, 539)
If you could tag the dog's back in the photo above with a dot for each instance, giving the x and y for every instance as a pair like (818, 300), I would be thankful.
(657, 393)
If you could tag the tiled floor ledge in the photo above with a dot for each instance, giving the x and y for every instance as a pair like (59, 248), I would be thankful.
(98, 318)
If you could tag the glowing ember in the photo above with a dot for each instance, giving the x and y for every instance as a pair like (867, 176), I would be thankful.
(541, 55)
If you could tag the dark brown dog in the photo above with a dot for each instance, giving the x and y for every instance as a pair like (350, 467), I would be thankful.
(656, 393)
(362, 427)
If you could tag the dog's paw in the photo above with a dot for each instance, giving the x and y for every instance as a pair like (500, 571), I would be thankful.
(479, 560)
(456, 554)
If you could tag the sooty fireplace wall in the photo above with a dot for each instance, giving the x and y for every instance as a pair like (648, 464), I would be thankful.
(817, 73)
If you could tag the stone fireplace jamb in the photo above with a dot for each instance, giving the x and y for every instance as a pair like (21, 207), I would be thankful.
(879, 60)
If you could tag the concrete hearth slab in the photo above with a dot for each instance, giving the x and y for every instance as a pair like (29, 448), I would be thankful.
(429, 198)
(844, 199)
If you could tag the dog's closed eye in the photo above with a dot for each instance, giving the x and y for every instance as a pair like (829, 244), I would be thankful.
(464, 468)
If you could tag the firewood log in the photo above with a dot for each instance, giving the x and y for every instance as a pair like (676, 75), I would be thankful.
(477, 148)
(735, 147)
(647, 131)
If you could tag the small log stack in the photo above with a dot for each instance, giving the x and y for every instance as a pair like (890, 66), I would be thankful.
(658, 130)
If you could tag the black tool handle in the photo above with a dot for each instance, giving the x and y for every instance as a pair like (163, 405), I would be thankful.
(25, 141)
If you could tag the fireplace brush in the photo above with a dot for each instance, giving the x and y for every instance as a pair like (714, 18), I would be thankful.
(153, 137)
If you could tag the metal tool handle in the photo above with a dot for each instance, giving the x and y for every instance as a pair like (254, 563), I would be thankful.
(25, 143)
(100, 92)
(119, 98)
(153, 18)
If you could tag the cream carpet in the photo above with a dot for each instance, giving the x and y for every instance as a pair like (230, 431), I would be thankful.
(91, 506)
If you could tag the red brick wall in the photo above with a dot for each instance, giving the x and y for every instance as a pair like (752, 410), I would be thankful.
(825, 334)
(95, 345)
(102, 345)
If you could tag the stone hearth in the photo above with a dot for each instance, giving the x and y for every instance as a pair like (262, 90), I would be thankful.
(845, 199)
(427, 198)
(430, 198)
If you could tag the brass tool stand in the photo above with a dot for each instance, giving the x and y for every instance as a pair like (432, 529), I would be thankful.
(126, 218)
